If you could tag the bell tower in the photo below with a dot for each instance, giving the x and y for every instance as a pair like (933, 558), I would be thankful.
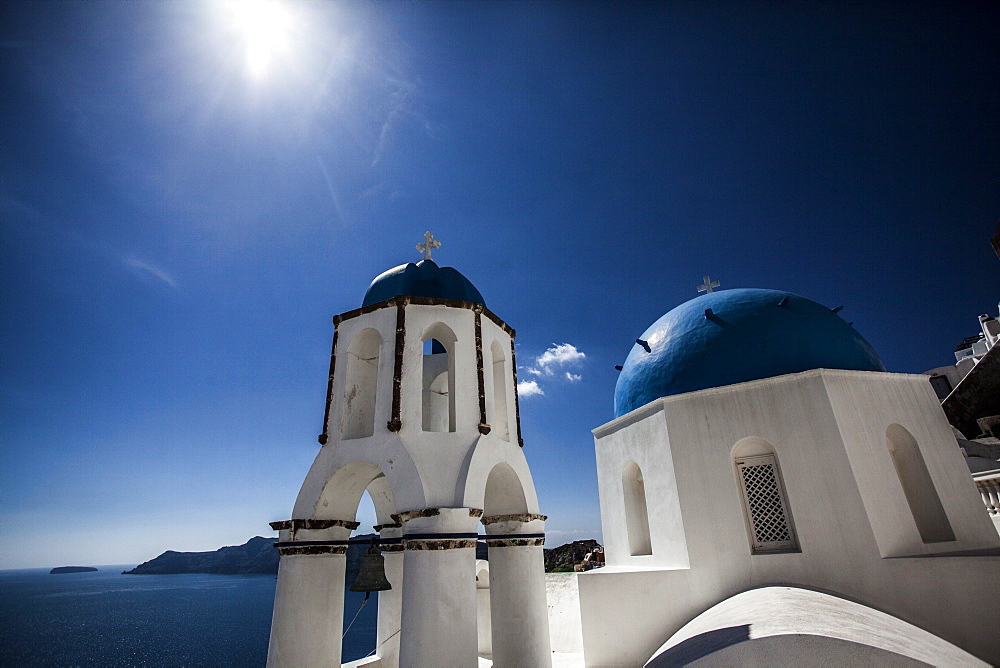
(422, 412)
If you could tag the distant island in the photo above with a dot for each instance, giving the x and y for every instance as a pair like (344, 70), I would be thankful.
(72, 569)
(257, 555)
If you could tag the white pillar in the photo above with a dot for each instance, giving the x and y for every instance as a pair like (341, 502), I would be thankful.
(439, 589)
(308, 620)
(390, 602)
(517, 592)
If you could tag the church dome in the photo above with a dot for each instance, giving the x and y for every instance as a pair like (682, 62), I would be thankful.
(734, 336)
(423, 279)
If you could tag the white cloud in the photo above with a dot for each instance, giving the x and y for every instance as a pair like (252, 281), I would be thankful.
(558, 355)
(146, 269)
(548, 363)
(527, 388)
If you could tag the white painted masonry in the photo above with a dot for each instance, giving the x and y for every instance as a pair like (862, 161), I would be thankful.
(857, 536)
(431, 481)
(817, 518)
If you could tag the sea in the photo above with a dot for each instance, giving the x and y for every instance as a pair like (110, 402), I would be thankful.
(104, 618)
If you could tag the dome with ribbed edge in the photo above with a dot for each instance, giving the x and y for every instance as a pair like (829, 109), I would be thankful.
(734, 336)
(423, 279)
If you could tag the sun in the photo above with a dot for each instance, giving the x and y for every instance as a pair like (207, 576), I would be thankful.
(265, 26)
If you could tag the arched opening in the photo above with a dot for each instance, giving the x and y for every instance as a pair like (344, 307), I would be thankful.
(361, 492)
(360, 385)
(636, 515)
(765, 503)
(483, 613)
(438, 400)
(922, 497)
(504, 493)
(520, 637)
(498, 417)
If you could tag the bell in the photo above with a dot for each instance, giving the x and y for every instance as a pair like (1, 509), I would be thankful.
(371, 574)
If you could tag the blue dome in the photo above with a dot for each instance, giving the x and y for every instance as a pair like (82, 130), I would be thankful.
(733, 336)
(423, 279)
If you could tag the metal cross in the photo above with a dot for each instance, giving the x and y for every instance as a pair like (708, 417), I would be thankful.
(709, 284)
(430, 243)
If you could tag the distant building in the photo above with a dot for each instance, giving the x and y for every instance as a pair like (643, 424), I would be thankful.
(968, 354)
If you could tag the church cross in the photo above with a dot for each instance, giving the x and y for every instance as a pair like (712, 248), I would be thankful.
(709, 284)
(430, 243)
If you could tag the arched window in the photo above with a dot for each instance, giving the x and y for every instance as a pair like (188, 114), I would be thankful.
(498, 418)
(765, 503)
(925, 504)
(636, 516)
(360, 385)
(438, 401)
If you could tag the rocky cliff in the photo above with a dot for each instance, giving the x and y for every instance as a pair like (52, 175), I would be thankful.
(564, 557)
(257, 555)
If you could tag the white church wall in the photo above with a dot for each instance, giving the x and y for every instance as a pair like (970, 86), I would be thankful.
(866, 405)
(792, 416)
(642, 442)
(839, 552)
(563, 596)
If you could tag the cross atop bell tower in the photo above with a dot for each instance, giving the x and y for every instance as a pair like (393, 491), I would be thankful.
(430, 243)
(422, 415)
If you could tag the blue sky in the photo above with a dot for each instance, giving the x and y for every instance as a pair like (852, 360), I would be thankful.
(187, 197)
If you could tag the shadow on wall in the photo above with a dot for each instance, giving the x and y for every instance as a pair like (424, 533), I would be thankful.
(700, 646)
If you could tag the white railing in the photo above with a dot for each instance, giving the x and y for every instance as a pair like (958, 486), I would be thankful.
(988, 484)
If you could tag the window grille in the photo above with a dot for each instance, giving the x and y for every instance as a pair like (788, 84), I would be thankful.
(764, 501)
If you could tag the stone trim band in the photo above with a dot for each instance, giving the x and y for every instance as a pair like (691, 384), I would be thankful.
(420, 541)
(286, 550)
(313, 524)
(440, 536)
(408, 515)
(520, 517)
(448, 544)
(343, 543)
(514, 542)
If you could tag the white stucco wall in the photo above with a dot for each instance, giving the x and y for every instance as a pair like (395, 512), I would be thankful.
(563, 597)
(823, 426)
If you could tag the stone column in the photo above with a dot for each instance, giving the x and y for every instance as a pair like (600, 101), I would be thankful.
(390, 602)
(308, 619)
(439, 588)
(517, 591)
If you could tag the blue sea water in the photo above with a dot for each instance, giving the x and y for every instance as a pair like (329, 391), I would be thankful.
(105, 618)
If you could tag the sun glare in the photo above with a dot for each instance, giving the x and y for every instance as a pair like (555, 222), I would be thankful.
(265, 25)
